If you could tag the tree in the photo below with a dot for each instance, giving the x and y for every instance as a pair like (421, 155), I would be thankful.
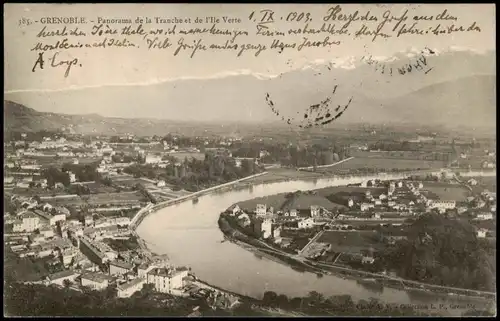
(270, 298)
(67, 283)
(328, 157)
(247, 167)
(316, 297)
(282, 301)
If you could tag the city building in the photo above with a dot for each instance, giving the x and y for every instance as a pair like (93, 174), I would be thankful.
(152, 159)
(119, 267)
(276, 231)
(305, 223)
(26, 222)
(484, 216)
(59, 277)
(366, 206)
(472, 182)
(67, 255)
(165, 280)
(47, 218)
(244, 220)
(263, 227)
(443, 205)
(47, 232)
(96, 281)
(88, 220)
(126, 290)
(236, 209)
(144, 268)
(315, 211)
(481, 233)
(261, 210)
(93, 252)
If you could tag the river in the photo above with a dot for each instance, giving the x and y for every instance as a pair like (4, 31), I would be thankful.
(190, 235)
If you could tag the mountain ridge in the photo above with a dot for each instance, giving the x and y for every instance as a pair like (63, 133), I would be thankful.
(240, 98)
(388, 111)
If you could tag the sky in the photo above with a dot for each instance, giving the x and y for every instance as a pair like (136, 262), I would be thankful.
(140, 66)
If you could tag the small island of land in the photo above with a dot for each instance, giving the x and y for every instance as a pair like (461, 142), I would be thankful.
(421, 233)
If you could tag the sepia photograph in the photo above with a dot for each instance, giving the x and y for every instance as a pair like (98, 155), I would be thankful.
(273, 160)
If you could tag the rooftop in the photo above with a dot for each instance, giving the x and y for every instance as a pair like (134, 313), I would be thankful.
(164, 272)
(97, 277)
(27, 214)
(128, 285)
(42, 214)
(122, 264)
(91, 246)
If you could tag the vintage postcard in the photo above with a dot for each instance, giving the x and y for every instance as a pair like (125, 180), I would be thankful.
(249, 160)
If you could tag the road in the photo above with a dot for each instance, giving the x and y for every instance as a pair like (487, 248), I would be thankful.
(317, 236)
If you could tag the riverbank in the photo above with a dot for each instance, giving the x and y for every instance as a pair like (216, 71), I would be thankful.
(246, 182)
(383, 280)
(194, 224)
(137, 219)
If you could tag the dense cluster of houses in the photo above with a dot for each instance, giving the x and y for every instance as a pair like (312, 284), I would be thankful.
(77, 248)
(390, 208)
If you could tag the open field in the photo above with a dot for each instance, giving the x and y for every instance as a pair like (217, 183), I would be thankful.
(182, 155)
(273, 200)
(96, 188)
(384, 164)
(475, 162)
(166, 195)
(130, 181)
(59, 161)
(276, 174)
(116, 198)
(408, 155)
(445, 191)
(348, 190)
(489, 183)
(350, 241)
(73, 201)
(36, 191)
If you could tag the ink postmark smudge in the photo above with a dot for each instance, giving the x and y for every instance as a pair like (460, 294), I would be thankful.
(322, 113)
(319, 114)
(416, 64)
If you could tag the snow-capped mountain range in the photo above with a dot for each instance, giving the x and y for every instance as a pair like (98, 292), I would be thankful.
(457, 87)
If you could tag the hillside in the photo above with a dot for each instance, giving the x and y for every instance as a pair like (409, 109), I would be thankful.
(377, 98)
(20, 118)
(469, 101)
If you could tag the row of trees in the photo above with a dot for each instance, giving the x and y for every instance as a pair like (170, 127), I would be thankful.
(393, 146)
(54, 176)
(193, 174)
(292, 155)
(316, 304)
(83, 173)
(39, 300)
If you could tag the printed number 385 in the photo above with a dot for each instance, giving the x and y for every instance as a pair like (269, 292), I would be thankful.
(25, 21)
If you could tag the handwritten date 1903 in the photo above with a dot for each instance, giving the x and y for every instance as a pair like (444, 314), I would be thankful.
(55, 62)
